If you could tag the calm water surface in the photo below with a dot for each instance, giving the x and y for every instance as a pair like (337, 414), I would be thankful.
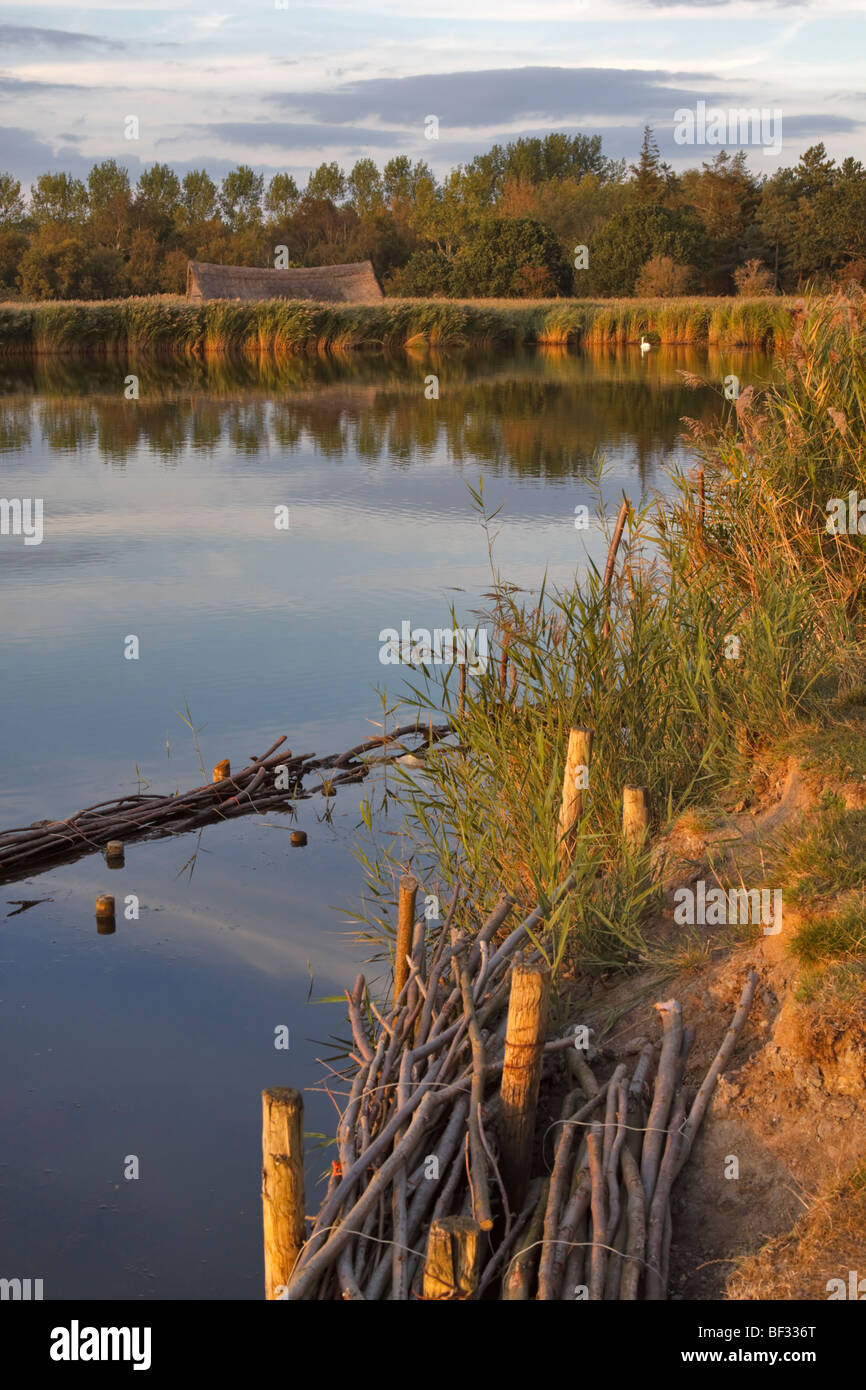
(159, 522)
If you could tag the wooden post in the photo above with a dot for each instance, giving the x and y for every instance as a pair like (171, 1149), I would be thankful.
(222, 770)
(298, 837)
(282, 1185)
(521, 1074)
(576, 775)
(451, 1265)
(635, 817)
(405, 921)
(105, 923)
(114, 854)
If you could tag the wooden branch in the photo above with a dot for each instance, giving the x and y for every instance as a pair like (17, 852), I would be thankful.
(723, 1056)
(636, 1242)
(517, 1279)
(598, 1256)
(481, 1193)
(672, 1022)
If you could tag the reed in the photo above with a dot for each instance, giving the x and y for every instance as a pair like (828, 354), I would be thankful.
(168, 325)
(675, 706)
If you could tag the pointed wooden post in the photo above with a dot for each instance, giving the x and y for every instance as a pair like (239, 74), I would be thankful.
(405, 922)
(574, 783)
(282, 1185)
(635, 817)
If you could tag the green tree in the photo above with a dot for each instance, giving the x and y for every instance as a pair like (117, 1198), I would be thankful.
(650, 177)
(725, 195)
(845, 212)
(58, 198)
(817, 247)
(144, 264)
(364, 185)
(397, 179)
(240, 198)
(624, 244)
(110, 199)
(426, 275)
(498, 259)
(52, 267)
(328, 181)
(106, 183)
(198, 197)
(13, 244)
(282, 197)
(776, 222)
(12, 208)
(451, 217)
(556, 156)
(159, 188)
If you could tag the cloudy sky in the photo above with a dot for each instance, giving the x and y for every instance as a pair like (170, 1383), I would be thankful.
(284, 85)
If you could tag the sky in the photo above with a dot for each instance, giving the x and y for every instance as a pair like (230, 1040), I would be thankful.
(280, 84)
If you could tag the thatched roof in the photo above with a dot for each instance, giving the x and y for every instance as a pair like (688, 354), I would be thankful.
(355, 283)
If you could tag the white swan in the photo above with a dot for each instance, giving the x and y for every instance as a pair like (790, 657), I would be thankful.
(644, 345)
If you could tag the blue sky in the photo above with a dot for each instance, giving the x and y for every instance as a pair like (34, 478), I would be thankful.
(216, 84)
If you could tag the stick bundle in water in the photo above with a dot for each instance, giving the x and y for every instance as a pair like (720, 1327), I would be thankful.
(271, 782)
(422, 1201)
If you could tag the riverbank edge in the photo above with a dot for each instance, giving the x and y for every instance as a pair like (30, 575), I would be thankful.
(170, 326)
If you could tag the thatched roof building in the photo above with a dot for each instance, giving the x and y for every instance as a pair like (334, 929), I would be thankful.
(355, 283)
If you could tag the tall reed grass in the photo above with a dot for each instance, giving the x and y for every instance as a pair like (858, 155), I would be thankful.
(675, 705)
(165, 324)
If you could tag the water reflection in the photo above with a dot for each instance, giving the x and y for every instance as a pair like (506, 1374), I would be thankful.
(159, 521)
(544, 414)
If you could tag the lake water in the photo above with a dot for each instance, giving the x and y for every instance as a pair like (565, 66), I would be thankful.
(156, 1041)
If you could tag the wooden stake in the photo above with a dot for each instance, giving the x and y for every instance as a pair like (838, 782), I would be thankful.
(451, 1265)
(405, 921)
(282, 1185)
(576, 775)
(114, 854)
(635, 817)
(222, 771)
(521, 1074)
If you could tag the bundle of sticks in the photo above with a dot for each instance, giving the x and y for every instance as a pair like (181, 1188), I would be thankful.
(433, 1195)
(270, 782)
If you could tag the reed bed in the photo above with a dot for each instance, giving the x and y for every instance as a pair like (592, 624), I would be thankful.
(169, 325)
(733, 619)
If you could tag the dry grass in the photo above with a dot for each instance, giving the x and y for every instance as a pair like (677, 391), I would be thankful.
(825, 1244)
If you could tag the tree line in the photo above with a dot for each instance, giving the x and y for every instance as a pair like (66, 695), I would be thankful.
(531, 218)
